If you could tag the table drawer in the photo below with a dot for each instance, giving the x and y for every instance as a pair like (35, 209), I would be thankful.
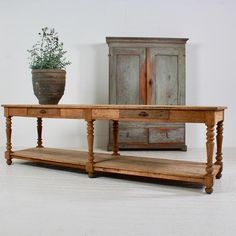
(42, 112)
(148, 114)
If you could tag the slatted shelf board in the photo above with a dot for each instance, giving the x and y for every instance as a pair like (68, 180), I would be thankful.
(130, 165)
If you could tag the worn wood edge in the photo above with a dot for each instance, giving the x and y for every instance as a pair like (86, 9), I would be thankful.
(150, 174)
(115, 106)
(194, 179)
(70, 165)
(146, 40)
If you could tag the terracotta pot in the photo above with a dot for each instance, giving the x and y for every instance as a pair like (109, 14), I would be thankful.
(49, 85)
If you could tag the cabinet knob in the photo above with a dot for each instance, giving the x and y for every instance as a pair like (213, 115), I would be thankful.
(150, 82)
(143, 114)
(42, 111)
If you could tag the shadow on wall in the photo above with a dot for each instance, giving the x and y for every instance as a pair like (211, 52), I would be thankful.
(193, 131)
(92, 73)
(92, 83)
(101, 68)
(192, 80)
(101, 92)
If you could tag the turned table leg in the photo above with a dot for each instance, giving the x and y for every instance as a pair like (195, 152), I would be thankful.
(9, 145)
(219, 140)
(39, 129)
(115, 138)
(90, 138)
(209, 180)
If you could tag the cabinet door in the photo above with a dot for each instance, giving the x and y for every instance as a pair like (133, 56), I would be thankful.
(127, 76)
(166, 86)
(128, 86)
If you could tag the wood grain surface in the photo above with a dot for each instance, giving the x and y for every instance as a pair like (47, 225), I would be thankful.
(131, 165)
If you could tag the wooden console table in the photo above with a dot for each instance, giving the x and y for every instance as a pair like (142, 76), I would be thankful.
(197, 172)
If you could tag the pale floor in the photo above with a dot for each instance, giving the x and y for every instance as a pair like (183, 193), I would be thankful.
(38, 200)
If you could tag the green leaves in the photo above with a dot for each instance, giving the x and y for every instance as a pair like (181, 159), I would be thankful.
(48, 52)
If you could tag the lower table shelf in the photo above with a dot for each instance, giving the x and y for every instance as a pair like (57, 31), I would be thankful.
(54, 156)
(129, 165)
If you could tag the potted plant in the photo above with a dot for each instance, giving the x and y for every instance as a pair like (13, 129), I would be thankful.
(48, 62)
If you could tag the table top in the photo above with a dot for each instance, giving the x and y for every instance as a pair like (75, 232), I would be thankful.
(111, 106)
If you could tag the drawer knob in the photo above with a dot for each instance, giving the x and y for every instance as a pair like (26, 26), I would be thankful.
(42, 111)
(143, 114)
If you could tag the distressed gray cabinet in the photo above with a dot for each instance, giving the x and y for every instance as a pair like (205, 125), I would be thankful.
(147, 71)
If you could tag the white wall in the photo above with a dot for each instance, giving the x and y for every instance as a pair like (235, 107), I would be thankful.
(83, 25)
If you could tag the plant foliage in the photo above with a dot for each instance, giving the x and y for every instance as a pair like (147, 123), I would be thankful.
(48, 52)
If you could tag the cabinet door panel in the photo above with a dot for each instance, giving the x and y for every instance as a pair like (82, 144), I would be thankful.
(167, 87)
(127, 84)
(167, 135)
(131, 133)
(127, 74)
